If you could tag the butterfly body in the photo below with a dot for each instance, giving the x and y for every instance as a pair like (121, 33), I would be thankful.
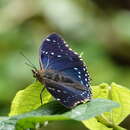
(62, 72)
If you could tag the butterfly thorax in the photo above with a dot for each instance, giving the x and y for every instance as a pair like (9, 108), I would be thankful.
(42, 75)
(57, 76)
(45, 76)
(38, 74)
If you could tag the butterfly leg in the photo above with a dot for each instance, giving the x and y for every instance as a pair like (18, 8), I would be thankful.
(41, 95)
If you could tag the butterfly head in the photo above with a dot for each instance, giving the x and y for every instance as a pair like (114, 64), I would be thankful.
(39, 75)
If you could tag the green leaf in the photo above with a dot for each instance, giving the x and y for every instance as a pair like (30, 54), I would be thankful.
(122, 96)
(93, 124)
(115, 93)
(55, 111)
(7, 124)
(45, 110)
(100, 91)
(28, 99)
(91, 109)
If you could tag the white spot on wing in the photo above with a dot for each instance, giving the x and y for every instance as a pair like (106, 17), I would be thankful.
(79, 72)
(54, 40)
(81, 59)
(84, 69)
(87, 85)
(86, 75)
(46, 52)
(58, 99)
(86, 79)
(66, 45)
(52, 53)
(58, 90)
(51, 88)
(79, 76)
(76, 53)
(58, 55)
(48, 39)
(43, 52)
(75, 68)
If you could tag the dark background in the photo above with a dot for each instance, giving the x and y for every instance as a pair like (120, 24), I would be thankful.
(99, 29)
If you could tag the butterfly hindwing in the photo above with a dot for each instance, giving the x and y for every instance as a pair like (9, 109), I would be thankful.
(67, 95)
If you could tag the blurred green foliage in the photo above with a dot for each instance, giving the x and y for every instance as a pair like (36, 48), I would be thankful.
(98, 29)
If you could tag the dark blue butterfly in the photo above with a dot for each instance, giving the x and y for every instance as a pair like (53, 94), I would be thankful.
(63, 72)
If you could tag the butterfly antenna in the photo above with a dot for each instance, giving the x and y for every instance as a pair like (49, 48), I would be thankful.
(29, 63)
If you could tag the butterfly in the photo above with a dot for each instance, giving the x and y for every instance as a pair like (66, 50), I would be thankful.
(63, 72)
